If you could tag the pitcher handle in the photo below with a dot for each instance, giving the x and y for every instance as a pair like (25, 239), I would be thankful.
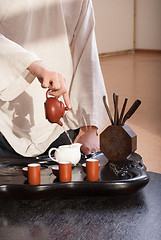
(49, 153)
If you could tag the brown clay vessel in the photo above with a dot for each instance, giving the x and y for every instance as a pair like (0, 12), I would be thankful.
(54, 109)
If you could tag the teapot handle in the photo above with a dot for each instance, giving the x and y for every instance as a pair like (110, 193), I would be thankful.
(47, 93)
(49, 153)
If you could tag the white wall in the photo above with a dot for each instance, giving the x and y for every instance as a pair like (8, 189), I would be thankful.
(148, 24)
(114, 25)
(115, 22)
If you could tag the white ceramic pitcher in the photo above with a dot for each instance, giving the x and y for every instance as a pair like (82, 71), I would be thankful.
(70, 153)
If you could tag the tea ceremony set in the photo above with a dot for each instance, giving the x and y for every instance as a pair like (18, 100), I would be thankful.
(116, 169)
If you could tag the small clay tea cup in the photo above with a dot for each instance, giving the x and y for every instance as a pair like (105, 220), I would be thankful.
(55, 170)
(25, 171)
(34, 173)
(92, 169)
(65, 171)
(84, 167)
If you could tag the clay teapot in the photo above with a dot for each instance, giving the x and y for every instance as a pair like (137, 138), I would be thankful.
(54, 109)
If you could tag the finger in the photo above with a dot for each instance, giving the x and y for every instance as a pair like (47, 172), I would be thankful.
(96, 149)
(85, 150)
(45, 83)
(61, 91)
(57, 93)
(54, 83)
(65, 94)
(66, 100)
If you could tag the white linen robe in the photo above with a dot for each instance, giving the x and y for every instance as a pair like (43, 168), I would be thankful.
(61, 34)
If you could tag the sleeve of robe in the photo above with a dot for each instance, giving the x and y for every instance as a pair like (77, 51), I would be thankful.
(13, 60)
(87, 87)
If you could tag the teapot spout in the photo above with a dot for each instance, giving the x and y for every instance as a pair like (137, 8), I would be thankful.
(60, 123)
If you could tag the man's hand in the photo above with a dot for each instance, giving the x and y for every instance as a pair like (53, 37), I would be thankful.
(89, 139)
(50, 79)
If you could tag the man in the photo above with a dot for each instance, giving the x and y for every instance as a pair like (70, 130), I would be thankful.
(49, 44)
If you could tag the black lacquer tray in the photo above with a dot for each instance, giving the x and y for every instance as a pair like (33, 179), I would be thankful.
(115, 178)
